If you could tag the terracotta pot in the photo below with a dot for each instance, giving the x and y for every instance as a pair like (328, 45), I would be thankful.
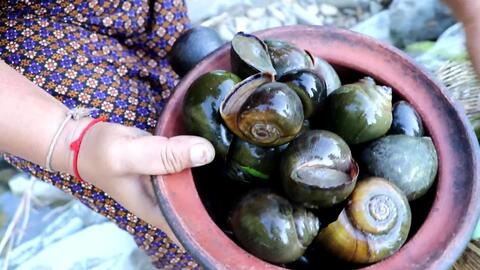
(441, 238)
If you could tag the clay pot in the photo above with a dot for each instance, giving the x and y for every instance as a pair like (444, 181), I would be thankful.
(455, 204)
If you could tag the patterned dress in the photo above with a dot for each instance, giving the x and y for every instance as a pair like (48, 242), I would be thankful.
(110, 55)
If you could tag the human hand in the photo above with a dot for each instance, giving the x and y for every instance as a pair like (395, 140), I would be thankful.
(467, 12)
(120, 159)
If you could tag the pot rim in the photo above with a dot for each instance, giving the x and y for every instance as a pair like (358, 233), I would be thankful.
(458, 238)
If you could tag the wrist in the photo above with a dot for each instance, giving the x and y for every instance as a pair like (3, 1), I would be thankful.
(62, 158)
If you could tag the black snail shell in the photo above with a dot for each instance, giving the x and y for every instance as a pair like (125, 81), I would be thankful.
(372, 227)
(309, 86)
(317, 169)
(263, 112)
(269, 227)
(406, 120)
(191, 47)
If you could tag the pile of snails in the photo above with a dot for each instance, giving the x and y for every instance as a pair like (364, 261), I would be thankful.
(288, 136)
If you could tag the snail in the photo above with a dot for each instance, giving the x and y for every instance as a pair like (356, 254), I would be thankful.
(409, 162)
(263, 112)
(372, 227)
(406, 120)
(361, 111)
(317, 169)
(309, 86)
(201, 109)
(269, 227)
(287, 57)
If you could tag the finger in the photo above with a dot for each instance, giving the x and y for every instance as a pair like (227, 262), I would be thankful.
(154, 155)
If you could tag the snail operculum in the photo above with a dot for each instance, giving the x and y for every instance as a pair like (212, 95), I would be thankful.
(373, 226)
(249, 55)
(263, 112)
(317, 169)
(287, 57)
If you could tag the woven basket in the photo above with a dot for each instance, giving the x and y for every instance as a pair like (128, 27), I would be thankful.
(463, 85)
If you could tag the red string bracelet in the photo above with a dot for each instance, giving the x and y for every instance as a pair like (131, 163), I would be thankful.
(75, 145)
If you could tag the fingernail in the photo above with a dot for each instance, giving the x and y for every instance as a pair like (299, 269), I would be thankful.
(201, 154)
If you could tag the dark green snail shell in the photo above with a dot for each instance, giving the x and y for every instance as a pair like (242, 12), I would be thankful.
(201, 109)
(287, 57)
(360, 112)
(270, 228)
(249, 56)
(317, 169)
(409, 162)
(406, 120)
(251, 163)
(309, 86)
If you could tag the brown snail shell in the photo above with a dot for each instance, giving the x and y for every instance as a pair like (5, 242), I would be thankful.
(263, 112)
(373, 226)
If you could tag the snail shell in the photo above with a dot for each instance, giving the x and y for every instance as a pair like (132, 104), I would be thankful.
(269, 227)
(263, 112)
(373, 226)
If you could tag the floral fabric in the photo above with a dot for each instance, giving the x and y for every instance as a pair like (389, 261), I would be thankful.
(110, 55)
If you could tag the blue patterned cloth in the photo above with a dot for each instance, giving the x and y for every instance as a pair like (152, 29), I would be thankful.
(110, 55)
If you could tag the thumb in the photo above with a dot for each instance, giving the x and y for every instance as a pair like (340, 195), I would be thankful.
(154, 155)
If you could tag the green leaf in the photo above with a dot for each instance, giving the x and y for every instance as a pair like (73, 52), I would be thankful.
(254, 172)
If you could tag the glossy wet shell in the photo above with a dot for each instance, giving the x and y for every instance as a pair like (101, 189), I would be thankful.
(328, 73)
(406, 120)
(373, 226)
(317, 170)
(409, 162)
(360, 112)
(201, 109)
(267, 226)
(192, 46)
(263, 113)
(287, 57)
(309, 86)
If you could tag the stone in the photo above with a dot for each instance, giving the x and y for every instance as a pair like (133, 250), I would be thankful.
(413, 20)
(376, 27)
(304, 17)
(342, 3)
(375, 7)
(328, 10)
(256, 13)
